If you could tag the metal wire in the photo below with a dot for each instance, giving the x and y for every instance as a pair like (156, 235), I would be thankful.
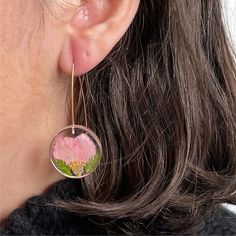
(81, 93)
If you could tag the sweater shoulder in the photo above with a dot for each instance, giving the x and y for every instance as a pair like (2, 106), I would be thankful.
(38, 218)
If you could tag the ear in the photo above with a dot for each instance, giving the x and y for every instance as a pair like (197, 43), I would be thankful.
(94, 29)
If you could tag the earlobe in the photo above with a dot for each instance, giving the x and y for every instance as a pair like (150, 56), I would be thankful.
(93, 31)
(86, 54)
(80, 52)
(83, 52)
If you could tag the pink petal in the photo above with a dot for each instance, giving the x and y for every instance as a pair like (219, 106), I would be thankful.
(61, 151)
(87, 145)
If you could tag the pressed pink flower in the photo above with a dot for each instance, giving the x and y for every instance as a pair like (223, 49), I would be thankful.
(80, 148)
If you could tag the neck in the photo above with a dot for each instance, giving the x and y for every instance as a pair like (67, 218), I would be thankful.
(24, 151)
(25, 171)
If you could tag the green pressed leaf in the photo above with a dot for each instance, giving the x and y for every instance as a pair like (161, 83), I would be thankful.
(92, 163)
(61, 165)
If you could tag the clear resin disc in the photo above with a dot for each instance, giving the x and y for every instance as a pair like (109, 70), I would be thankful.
(75, 151)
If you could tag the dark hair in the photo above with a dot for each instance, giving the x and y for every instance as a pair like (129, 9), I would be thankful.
(163, 104)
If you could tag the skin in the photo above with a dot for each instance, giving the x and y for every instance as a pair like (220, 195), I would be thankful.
(36, 53)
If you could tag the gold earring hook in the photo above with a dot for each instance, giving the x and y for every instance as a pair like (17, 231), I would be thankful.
(72, 99)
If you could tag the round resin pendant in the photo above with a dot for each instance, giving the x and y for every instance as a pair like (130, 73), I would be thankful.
(75, 151)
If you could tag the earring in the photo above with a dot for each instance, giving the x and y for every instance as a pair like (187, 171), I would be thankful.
(75, 151)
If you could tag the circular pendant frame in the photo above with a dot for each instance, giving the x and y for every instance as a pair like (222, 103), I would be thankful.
(75, 151)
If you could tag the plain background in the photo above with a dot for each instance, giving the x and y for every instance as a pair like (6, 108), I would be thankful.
(229, 8)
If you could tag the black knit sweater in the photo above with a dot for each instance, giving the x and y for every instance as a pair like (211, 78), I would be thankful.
(36, 218)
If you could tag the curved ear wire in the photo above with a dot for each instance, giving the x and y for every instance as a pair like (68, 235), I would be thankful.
(81, 96)
(72, 97)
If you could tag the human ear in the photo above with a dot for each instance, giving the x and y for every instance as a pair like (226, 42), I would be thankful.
(94, 29)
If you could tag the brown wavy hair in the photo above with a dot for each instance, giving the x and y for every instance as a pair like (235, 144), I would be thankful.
(163, 103)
